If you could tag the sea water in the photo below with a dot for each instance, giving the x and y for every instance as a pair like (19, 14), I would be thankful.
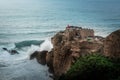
(28, 25)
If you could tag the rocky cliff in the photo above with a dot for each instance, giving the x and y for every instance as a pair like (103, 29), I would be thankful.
(70, 44)
(112, 44)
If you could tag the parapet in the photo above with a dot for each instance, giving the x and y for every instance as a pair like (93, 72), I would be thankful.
(82, 32)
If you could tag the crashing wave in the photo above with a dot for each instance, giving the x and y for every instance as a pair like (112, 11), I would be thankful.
(28, 43)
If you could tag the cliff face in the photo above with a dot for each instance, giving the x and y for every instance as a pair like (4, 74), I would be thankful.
(112, 44)
(68, 45)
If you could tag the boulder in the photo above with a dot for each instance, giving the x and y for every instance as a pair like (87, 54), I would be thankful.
(40, 56)
(12, 52)
(34, 55)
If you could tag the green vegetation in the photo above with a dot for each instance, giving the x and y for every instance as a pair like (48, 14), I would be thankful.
(94, 67)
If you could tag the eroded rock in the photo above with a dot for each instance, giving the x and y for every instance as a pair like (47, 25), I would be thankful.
(12, 52)
(112, 44)
(40, 56)
(68, 46)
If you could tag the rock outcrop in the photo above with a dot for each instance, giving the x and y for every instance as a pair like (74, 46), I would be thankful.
(12, 52)
(40, 56)
(68, 46)
(112, 44)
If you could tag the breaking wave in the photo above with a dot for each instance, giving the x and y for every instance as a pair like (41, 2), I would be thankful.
(46, 45)
(25, 49)
(28, 43)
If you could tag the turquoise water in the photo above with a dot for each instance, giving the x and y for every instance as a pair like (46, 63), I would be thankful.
(25, 24)
(37, 19)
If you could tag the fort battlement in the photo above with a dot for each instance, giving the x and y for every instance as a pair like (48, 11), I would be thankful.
(80, 32)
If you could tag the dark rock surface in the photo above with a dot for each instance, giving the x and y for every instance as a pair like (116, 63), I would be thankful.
(40, 56)
(12, 52)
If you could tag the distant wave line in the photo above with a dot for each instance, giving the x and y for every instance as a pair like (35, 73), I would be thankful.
(49, 32)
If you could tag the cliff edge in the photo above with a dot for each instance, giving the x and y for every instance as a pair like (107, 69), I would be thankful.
(69, 45)
(74, 42)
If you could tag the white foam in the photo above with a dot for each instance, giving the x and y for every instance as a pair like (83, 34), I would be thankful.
(46, 45)
(24, 53)
(32, 49)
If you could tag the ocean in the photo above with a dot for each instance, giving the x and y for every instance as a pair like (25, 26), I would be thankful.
(28, 25)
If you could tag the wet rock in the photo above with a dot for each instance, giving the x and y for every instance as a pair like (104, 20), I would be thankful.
(40, 56)
(34, 55)
(12, 52)
(5, 49)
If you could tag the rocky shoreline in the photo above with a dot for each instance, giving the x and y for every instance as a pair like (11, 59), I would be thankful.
(74, 42)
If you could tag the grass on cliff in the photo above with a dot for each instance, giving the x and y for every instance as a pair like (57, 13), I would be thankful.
(94, 67)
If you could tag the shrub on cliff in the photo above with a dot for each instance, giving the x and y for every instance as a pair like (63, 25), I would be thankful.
(94, 67)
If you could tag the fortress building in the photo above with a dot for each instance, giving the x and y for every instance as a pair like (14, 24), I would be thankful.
(82, 33)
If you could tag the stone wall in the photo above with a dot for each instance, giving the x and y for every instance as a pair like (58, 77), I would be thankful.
(84, 33)
(79, 32)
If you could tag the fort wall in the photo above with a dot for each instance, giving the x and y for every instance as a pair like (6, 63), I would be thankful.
(79, 32)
